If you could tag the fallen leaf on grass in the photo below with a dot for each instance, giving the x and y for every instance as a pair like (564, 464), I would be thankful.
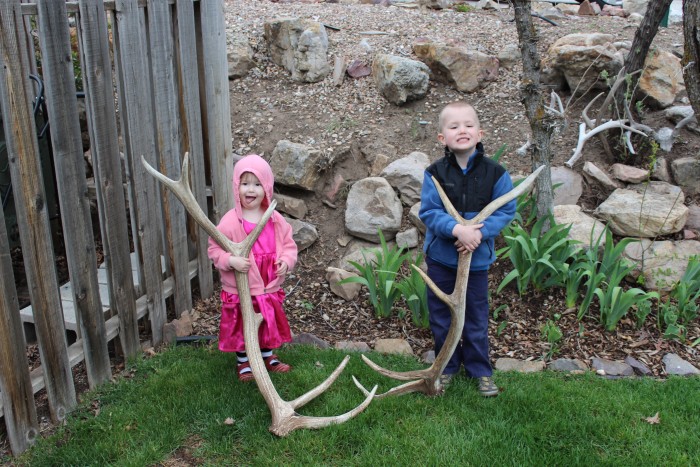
(655, 420)
(229, 421)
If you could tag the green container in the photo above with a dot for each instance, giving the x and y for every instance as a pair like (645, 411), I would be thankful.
(664, 20)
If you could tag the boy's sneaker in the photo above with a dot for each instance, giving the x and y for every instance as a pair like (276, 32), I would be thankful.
(487, 387)
(446, 379)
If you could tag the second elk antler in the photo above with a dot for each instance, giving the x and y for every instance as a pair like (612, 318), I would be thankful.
(428, 381)
(284, 417)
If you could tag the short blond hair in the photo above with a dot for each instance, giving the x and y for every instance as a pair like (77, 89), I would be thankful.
(456, 105)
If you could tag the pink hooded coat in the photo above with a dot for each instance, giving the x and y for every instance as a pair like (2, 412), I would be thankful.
(231, 225)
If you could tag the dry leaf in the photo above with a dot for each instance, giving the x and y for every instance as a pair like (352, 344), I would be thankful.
(655, 420)
(229, 421)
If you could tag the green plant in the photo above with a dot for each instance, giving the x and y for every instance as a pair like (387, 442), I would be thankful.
(615, 302)
(682, 305)
(643, 310)
(379, 276)
(573, 276)
(502, 150)
(538, 257)
(414, 291)
(462, 8)
(552, 334)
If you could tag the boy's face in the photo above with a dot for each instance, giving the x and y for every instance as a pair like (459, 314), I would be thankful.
(460, 130)
(251, 191)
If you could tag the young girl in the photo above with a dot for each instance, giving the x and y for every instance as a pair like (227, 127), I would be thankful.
(274, 254)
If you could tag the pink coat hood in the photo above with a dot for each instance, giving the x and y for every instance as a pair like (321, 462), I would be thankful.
(231, 225)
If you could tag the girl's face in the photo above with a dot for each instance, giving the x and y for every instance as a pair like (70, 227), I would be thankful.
(250, 191)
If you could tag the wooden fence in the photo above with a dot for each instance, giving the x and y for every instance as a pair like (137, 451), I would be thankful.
(154, 74)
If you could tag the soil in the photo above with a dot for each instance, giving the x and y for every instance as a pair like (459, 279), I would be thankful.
(352, 123)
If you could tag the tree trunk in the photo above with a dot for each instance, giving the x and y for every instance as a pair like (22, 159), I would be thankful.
(541, 123)
(640, 44)
(691, 57)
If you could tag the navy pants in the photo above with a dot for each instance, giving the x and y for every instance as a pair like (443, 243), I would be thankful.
(473, 349)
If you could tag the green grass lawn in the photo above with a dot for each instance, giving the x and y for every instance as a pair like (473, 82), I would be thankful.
(174, 406)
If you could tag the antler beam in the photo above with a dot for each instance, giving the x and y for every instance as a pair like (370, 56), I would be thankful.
(427, 381)
(284, 417)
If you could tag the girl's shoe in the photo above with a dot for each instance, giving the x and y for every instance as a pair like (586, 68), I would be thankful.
(273, 365)
(244, 376)
(487, 387)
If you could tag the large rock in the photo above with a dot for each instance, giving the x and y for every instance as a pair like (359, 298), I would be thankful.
(583, 227)
(686, 172)
(240, 58)
(300, 46)
(295, 164)
(305, 234)
(467, 70)
(633, 214)
(661, 263)
(584, 60)
(400, 80)
(406, 175)
(372, 205)
(662, 78)
(567, 184)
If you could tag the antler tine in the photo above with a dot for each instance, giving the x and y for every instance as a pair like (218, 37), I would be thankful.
(427, 380)
(284, 418)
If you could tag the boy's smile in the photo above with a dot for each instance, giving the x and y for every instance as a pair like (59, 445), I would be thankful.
(460, 131)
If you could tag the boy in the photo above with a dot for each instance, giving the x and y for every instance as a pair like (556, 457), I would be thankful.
(471, 181)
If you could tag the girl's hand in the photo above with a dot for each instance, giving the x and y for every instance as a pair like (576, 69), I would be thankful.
(282, 267)
(239, 263)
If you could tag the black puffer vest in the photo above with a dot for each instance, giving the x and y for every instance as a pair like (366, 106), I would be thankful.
(470, 192)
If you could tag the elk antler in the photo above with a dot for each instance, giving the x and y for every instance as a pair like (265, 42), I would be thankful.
(284, 417)
(428, 381)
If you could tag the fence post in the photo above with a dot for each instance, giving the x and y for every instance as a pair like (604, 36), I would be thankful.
(168, 130)
(192, 134)
(217, 103)
(15, 383)
(104, 145)
(67, 146)
(32, 218)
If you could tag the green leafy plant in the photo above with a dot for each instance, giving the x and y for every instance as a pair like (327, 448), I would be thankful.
(415, 292)
(615, 302)
(538, 257)
(682, 305)
(643, 310)
(379, 276)
(462, 8)
(552, 334)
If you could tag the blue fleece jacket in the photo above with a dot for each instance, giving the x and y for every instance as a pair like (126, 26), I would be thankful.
(439, 241)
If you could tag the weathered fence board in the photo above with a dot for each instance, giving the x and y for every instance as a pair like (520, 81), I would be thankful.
(216, 101)
(104, 145)
(70, 177)
(15, 385)
(192, 134)
(32, 219)
(156, 84)
(138, 130)
(168, 145)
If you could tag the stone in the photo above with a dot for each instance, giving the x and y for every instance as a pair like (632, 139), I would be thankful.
(567, 365)
(352, 346)
(629, 174)
(467, 70)
(294, 164)
(373, 206)
(406, 175)
(348, 291)
(662, 263)
(611, 368)
(304, 234)
(567, 184)
(584, 229)
(407, 239)
(675, 365)
(521, 366)
(306, 338)
(400, 80)
(662, 78)
(415, 220)
(393, 346)
(294, 207)
(638, 367)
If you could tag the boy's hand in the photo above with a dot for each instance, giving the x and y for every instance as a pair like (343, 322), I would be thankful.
(282, 267)
(468, 237)
(239, 263)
